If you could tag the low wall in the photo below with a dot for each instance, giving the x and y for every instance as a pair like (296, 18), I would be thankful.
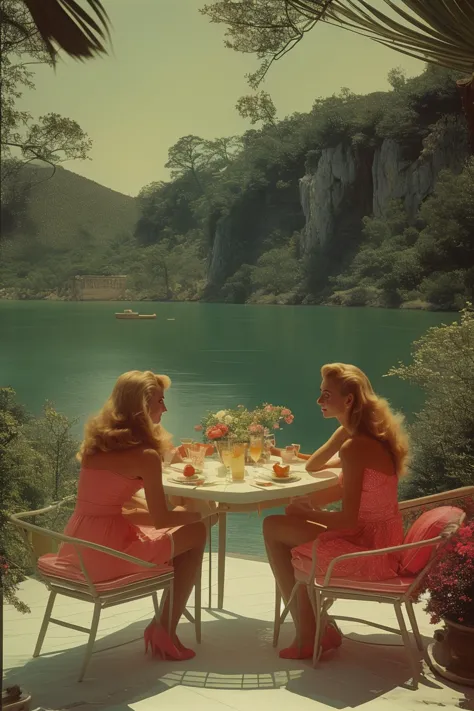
(98, 288)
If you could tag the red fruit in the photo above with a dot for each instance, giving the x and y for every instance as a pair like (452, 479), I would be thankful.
(189, 470)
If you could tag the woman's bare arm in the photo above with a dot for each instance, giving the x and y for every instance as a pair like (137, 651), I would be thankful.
(326, 454)
(353, 457)
(160, 516)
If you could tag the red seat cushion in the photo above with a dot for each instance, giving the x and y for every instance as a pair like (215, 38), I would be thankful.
(392, 586)
(429, 525)
(53, 566)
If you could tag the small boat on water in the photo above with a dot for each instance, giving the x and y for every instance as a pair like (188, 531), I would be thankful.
(129, 314)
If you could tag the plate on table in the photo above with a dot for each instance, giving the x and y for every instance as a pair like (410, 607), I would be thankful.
(290, 478)
(190, 480)
(179, 469)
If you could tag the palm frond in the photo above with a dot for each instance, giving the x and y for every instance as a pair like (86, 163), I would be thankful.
(435, 31)
(66, 25)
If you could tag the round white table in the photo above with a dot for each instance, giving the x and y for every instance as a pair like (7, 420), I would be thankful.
(244, 496)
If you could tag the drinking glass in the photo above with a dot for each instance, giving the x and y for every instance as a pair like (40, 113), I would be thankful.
(168, 455)
(224, 447)
(186, 442)
(256, 448)
(237, 461)
(268, 444)
(296, 448)
(197, 455)
(287, 454)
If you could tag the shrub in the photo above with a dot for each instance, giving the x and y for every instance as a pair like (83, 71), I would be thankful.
(442, 434)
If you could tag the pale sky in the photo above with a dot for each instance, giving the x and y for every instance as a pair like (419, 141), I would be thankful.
(169, 75)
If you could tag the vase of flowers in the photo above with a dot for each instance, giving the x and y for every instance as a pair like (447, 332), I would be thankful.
(450, 586)
(240, 423)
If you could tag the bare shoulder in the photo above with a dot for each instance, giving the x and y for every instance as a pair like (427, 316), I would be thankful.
(357, 446)
(149, 461)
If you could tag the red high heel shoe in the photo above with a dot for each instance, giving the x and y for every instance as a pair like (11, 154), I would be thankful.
(163, 646)
(331, 639)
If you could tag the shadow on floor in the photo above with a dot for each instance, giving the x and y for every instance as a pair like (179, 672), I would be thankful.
(236, 655)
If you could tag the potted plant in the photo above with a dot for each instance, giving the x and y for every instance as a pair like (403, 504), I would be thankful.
(450, 586)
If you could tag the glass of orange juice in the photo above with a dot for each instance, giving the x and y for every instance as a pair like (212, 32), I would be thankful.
(237, 461)
(256, 448)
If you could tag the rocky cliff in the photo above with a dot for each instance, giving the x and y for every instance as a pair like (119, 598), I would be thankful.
(350, 179)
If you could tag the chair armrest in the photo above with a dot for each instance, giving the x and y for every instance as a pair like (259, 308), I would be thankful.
(365, 554)
(16, 519)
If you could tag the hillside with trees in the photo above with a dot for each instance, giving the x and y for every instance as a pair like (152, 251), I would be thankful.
(365, 200)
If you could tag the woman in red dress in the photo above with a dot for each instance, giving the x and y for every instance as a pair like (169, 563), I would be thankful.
(372, 449)
(121, 454)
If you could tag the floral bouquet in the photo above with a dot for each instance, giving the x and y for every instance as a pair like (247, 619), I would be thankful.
(240, 423)
(450, 583)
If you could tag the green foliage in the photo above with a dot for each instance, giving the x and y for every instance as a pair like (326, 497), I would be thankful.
(434, 261)
(239, 197)
(442, 435)
(51, 138)
(37, 464)
(276, 272)
(259, 108)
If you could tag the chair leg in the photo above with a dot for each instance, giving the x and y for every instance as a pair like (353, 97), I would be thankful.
(414, 625)
(407, 643)
(209, 539)
(277, 620)
(315, 599)
(45, 623)
(91, 640)
(156, 605)
(197, 605)
(170, 608)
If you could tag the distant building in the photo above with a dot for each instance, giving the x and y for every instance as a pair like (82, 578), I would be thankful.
(98, 288)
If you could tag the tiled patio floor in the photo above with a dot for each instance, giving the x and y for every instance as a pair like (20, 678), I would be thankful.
(236, 666)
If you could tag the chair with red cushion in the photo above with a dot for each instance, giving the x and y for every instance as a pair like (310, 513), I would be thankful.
(441, 515)
(144, 583)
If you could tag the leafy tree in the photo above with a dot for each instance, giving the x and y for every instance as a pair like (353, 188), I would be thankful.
(37, 464)
(277, 272)
(52, 435)
(258, 108)
(188, 155)
(429, 31)
(51, 138)
(442, 435)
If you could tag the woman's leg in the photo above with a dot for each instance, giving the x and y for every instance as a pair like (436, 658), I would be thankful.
(189, 543)
(281, 534)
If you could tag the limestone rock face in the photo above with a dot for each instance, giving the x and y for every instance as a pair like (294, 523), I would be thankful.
(323, 192)
(397, 179)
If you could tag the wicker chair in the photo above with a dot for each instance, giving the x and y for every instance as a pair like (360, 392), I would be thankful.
(397, 592)
(145, 583)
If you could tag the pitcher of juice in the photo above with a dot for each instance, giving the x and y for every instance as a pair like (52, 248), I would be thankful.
(237, 461)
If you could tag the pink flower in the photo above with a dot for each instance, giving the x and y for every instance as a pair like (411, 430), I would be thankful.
(198, 428)
(276, 426)
(268, 408)
(255, 427)
(216, 431)
(289, 419)
(285, 412)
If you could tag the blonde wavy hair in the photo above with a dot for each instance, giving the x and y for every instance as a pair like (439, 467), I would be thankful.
(124, 421)
(370, 414)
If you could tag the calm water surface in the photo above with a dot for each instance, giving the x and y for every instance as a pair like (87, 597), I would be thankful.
(216, 355)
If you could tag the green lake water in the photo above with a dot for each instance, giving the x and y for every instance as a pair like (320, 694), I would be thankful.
(216, 355)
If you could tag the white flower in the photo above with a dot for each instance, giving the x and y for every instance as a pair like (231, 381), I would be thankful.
(220, 414)
(228, 419)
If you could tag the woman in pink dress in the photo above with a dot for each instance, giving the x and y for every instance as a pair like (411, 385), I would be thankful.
(122, 453)
(372, 448)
